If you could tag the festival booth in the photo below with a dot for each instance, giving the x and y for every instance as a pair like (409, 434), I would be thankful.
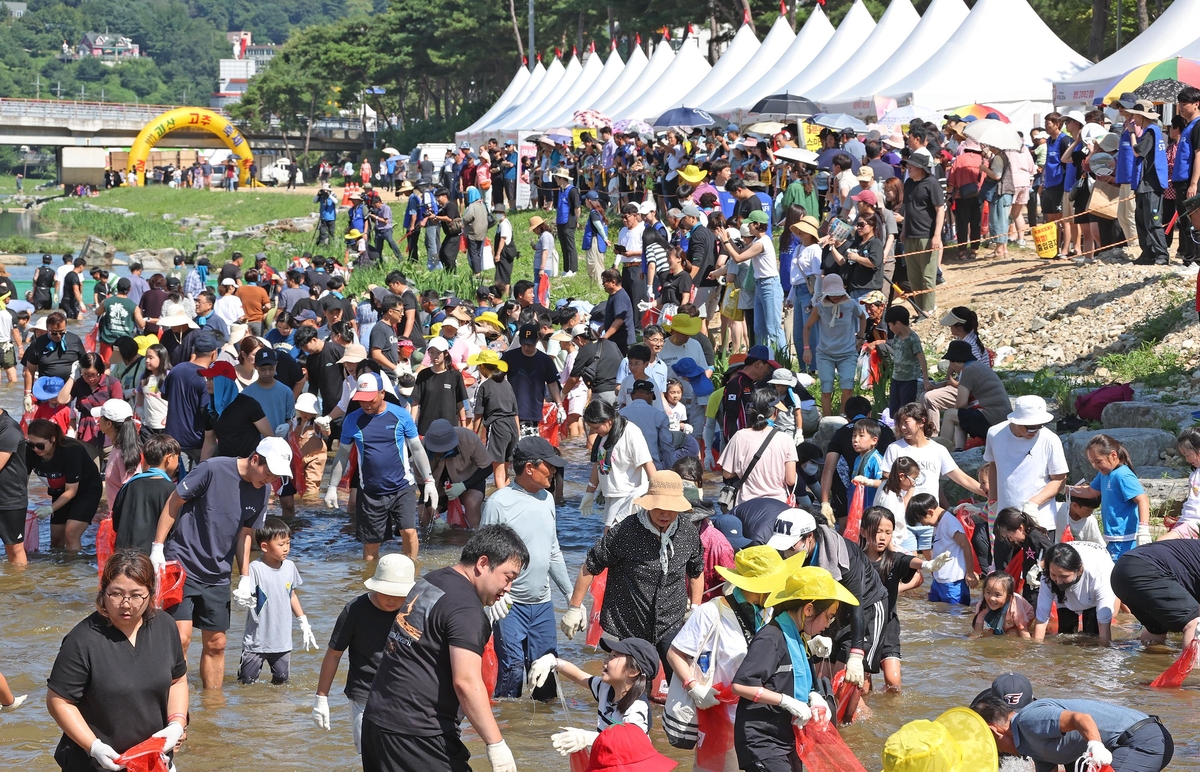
(506, 99)
(769, 58)
(567, 79)
(593, 68)
(688, 66)
(854, 29)
(732, 64)
(660, 60)
(892, 32)
(634, 66)
(563, 115)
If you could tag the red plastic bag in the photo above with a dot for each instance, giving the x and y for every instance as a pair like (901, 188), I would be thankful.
(299, 482)
(33, 535)
(93, 339)
(146, 756)
(548, 428)
(599, 583)
(659, 688)
(1068, 535)
(847, 697)
(106, 542)
(170, 585)
(715, 732)
(822, 749)
(456, 516)
(854, 518)
(579, 761)
(968, 523)
(1172, 677)
(1016, 569)
(491, 666)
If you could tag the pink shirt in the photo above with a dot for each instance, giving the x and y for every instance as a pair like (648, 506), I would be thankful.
(116, 475)
(717, 552)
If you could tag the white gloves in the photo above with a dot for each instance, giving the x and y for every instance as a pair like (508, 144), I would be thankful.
(244, 594)
(854, 668)
(562, 415)
(28, 403)
(157, 558)
(1098, 753)
(74, 370)
(827, 511)
(818, 707)
(331, 499)
(1033, 577)
(501, 758)
(1143, 535)
(1031, 509)
(570, 740)
(44, 512)
(801, 713)
(322, 422)
(499, 609)
(820, 646)
(16, 703)
(541, 669)
(320, 713)
(860, 480)
(431, 494)
(685, 428)
(703, 696)
(797, 435)
(937, 562)
(104, 755)
(455, 490)
(171, 733)
(573, 622)
(306, 634)
(587, 504)
(283, 430)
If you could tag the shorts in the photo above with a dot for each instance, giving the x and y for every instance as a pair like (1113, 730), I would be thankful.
(385, 751)
(8, 356)
(973, 422)
(379, 518)
(874, 619)
(502, 440)
(81, 509)
(843, 366)
(1021, 197)
(1051, 199)
(252, 662)
(956, 592)
(12, 526)
(924, 534)
(577, 400)
(287, 489)
(889, 642)
(206, 606)
(1118, 548)
(1159, 602)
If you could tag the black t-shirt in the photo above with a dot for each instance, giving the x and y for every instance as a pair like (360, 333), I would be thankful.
(860, 277)
(764, 731)
(528, 377)
(326, 375)
(842, 443)
(229, 271)
(901, 572)
(747, 205)
(308, 304)
(1177, 559)
(409, 301)
(53, 358)
(362, 628)
(413, 691)
(449, 210)
(758, 518)
(237, 436)
(923, 199)
(70, 282)
(495, 401)
(120, 690)
(619, 306)
(597, 364)
(438, 395)
(383, 338)
(14, 477)
(318, 279)
(136, 510)
(675, 287)
(287, 369)
(70, 464)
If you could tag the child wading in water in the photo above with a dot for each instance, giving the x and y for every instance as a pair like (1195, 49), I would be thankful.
(952, 580)
(1124, 505)
(495, 412)
(1001, 611)
(894, 495)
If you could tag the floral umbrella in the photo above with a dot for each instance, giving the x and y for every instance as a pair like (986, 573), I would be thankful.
(632, 126)
(1160, 91)
(591, 119)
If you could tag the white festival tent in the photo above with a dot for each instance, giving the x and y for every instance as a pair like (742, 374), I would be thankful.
(730, 65)
(1172, 34)
(514, 87)
(781, 51)
(688, 66)
(854, 29)
(892, 31)
(941, 20)
(595, 78)
(634, 66)
(1020, 58)
(660, 60)
(521, 120)
(535, 97)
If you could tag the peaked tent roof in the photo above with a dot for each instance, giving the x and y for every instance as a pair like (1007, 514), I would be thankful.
(775, 46)
(941, 20)
(587, 76)
(535, 97)
(506, 99)
(569, 75)
(730, 65)
(634, 66)
(1007, 31)
(1172, 34)
(688, 66)
(660, 60)
(563, 114)
(892, 31)
(854, 29)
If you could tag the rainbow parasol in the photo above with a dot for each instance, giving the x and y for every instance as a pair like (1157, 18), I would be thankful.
(1186, 71)
(979, 111)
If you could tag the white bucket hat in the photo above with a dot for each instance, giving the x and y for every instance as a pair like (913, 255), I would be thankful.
(395, 575)
(783, 377)
(1030, 410)
(307, 403)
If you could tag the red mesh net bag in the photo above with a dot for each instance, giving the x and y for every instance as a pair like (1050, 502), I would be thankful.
(1172, 677)
(33, 536)
(854, 518)
(715, 732)
(491, 666)
(822, 749)
(106, 542)
(145, 756)
(456, 516)
(170, 585)
(599, 583)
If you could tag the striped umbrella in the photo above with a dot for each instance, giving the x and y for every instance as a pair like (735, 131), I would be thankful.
(1186, 71)
(591, 119)
(979, 111)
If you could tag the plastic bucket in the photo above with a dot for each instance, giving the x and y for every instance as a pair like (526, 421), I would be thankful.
(1045, 240)
(170, 585)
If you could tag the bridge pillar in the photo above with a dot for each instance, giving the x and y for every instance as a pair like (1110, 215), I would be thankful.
(82, 165)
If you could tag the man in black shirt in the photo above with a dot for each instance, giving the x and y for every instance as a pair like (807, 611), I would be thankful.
(596, 364)
(72, 300)
(409, 325)
(54, 354)
(14, 489)
(325, 374)
(924, 213)
(747, 201)
(447, 214)
(619, 313)
(140, 501)
(231, 269)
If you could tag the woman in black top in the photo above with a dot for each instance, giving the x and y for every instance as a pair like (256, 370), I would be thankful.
(72, 480)
(1017, 531)
(861, 264)
(120, 676)
(675, 287)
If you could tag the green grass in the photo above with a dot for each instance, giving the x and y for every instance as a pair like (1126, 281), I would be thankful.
(1154, 368)
(22, 245)
(236, 210)
(8, 184)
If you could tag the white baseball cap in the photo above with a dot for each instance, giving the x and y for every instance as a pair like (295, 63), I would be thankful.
(115, 410)
(450, 321)
(438, 344)
(368, 387)
(790, 526)
(228, 282)
(278, 455)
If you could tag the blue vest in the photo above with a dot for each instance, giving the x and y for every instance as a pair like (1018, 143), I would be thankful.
(589, 233)
(1129, 171)
(1183, 154)
(1160, 153)
(728, 203)
(1054, 166)
(563, 210)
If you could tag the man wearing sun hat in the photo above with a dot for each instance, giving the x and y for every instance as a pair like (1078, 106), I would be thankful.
(1024, 461)
(924, 214)
(1150, 147)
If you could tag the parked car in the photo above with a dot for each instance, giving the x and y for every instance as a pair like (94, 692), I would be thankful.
(276, 173)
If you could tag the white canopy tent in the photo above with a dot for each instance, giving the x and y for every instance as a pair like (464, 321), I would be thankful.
(563, 114)
(510, 93)
(1172, 34)
(1028, 58)
(892, 31)
(523, 120)
(854, 29)
(730, 65)
(778, 42)
(634, 67)
(660, 60)
(536, 97)
(941, 20)
(688, 66)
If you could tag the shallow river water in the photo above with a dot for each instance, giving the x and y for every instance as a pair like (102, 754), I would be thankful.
(267, 728)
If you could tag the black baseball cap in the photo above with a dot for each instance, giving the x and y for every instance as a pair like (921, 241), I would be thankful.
(642, 652)
(527, 334)
(644, 386)
(537, 449)
(266, 356)
(1014, 688)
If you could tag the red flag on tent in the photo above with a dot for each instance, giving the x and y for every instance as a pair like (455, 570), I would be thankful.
(666, 32)
(637, 40)
(782, 8)
(746, 15)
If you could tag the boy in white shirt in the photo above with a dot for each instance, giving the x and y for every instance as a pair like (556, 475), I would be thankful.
(952, 581)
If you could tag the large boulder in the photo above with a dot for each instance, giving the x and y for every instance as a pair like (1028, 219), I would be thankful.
(1147, 415)
(1144, 446)
(155, 259)
(12, 259)
(829, 425)
(970, 461)
(96, 251)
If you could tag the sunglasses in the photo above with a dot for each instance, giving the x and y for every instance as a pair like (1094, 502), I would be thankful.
(860, 225)
(56, 333)
(1034, 429)
(39, 445)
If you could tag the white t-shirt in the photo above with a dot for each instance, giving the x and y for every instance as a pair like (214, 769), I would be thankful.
(607, 713)
(943, 540)
(726, 651)
(671, 353)
(935, 462)
(154, 407)
(1191, 505)
(631, 239)
(805, 263)
(229, 308)
(626, 393)
(1093, 590)
(676, 414)
(765, 263)
(1024, 467)
(767, 480)
(504, 231)
(895, 504)
(626, 477)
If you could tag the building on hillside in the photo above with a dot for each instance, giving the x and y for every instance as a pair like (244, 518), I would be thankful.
(106, 46)
(234, 74)
(15, 10)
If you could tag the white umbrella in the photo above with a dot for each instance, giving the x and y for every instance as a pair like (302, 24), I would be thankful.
(767, 127)
(894, 119)
(391, 151)
(998, 134)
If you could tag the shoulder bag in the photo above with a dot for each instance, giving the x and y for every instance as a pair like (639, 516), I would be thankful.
(728, 495)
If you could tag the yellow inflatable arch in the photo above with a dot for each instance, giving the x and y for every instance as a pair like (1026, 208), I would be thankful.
(189, 118)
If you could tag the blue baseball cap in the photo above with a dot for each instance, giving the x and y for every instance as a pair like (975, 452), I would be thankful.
(762, 354)
(731, 527)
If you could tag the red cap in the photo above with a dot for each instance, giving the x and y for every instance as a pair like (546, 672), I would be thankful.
(222, 369)
(626, 747)
(866, 197)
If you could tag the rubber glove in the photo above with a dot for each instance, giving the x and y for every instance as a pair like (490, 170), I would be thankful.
(562, 415)
(331, 499)
(171, 733)
(74, 370)
(854, 668)
(455, 490)
(820, 646)
(570, 740)
(710, 463)
(827, 511)
(499, 609)
(44, 512)
(937, 562)
(306, 633)
(798, 709)
(1033, 577)
(157, 558)
(431, 493)
(572, 622)
(283, 430)
(685, 428)
(322, 422)
(16, 703)
(244, 594)
(860, 480)
(28, 403)
(501, 758)
(541, 669)
(818, 707)
(1143, 535)
(320, 713)
(1097, 753)
(797, 435)
(703, 696)
(587, 504)
(104, 755)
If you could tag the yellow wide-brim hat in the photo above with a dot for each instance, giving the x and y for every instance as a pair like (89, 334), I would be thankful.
(959, 740)
(488, 357)
(685, 324)
(811, 583)
(760, 569)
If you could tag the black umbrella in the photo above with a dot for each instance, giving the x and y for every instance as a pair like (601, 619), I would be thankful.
(1160, 91)
(785, 104)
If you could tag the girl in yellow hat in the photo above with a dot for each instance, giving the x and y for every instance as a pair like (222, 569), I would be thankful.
(495, 412)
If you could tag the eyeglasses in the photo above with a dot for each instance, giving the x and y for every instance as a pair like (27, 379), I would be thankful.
(39, 445)
(118, 598)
